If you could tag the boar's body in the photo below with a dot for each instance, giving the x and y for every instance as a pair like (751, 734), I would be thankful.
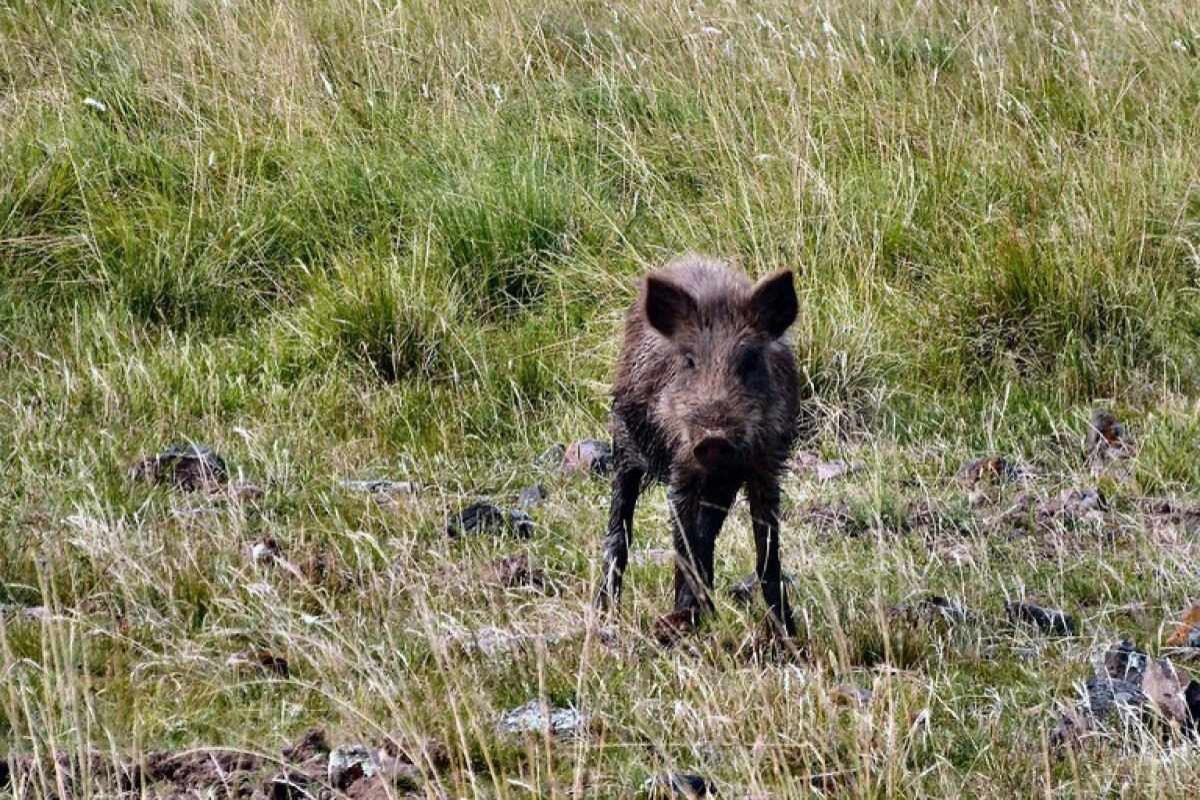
(705, 400)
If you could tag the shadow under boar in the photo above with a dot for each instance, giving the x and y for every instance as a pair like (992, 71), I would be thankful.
(705, 400)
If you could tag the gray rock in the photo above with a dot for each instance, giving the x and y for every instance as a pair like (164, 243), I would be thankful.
(349, 763)
(1106, 695)
(379, 486)
(1051, 621)
(536, 717)
(191, 467)
(486, 517)
(832, 470)
(532, 496)
(265, 552)
(1124, 662)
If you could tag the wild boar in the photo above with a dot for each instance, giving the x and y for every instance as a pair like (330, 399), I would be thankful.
(705, 400)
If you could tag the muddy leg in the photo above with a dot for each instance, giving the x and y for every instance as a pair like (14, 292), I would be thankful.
(627, 485)
(764, 510)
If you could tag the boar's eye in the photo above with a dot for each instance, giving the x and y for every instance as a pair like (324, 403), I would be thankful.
(689, 361)
(750, 364)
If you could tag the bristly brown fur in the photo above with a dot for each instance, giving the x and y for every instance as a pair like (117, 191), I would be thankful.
(702, 361)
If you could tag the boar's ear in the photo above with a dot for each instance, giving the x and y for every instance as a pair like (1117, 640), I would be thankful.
(667, 305)
(773, 303)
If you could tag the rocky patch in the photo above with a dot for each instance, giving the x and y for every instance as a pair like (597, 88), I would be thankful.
(190, 467)
(486, 517)
(1052, 621)
(536, 717)
(1130, 687)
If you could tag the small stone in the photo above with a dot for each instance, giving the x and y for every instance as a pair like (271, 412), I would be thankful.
(265, 552)
(587, 457)
(349, 763)
(531, 496)
(388, 494)
(490, 641)
(677, 784)
(1048, 620)
(379, 486)
(485, 517)
(191, 467)
(536, 717)
(832, 470)
(1124, 662)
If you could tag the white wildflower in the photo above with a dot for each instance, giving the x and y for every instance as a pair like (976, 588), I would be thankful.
(95, 104)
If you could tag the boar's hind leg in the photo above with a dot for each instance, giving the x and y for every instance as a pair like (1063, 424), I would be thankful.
(697, 521)
(627, 485)
(764, 510)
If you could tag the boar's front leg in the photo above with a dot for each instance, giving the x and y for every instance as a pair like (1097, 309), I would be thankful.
(698, 515)
(627, 485)
(764, 511)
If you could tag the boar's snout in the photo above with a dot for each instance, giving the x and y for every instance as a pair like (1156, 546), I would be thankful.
(713, 451)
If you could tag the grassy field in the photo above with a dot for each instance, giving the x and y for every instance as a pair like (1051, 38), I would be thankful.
(349, 240)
